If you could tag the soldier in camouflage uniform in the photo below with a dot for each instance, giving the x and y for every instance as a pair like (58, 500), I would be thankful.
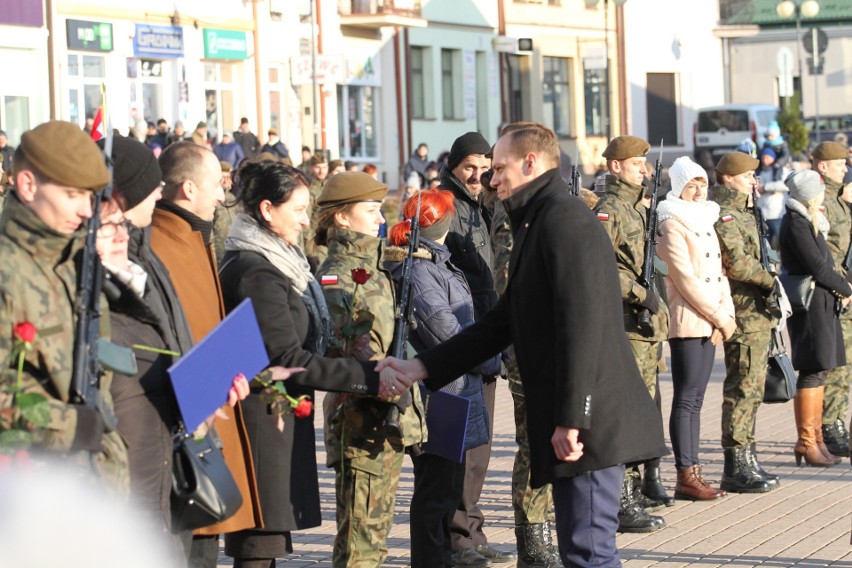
(532, 506)
(754, 291)
(829, 159)
(57, 167)
(318, 171)
(623, 214)
(367, 461)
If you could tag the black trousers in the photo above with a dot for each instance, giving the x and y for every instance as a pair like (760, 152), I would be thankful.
(468, 519)
(204, 552)
(692, 363)
(587, 517)
(437, 492)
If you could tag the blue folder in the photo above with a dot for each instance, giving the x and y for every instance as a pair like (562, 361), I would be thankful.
(446, 419)
(202, 377)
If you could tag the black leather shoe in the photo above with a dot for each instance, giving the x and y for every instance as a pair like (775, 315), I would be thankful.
(632, 518)
(470, 557)
(652, 487)
(773, 480)
(835, 441)
(738, 476)
(494, 555)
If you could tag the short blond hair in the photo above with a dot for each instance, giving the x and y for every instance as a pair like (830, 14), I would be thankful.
(533, 138)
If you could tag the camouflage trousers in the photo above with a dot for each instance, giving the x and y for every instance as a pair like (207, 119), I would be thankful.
(366, 494)
(835, 404)
(745, 365)
(647, 355)
(531, 506)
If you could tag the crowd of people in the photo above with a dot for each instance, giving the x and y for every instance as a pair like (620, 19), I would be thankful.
(189, 232)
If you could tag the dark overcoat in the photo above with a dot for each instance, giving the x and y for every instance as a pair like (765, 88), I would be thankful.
(816, 339)
(562, 312)
(286, 462)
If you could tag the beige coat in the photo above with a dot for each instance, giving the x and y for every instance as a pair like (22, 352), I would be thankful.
(699, 297)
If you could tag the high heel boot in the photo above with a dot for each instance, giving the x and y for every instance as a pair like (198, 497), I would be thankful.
(807, 407)
(820, 440)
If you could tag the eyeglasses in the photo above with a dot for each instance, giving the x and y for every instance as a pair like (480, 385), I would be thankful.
(109, 229)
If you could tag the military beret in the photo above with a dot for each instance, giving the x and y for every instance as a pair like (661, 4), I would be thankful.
(225, 166)
(351, 187)
(830, 151)
(201, 124)
(65, 155)
(626, 147)
(264, 157)
(736, 163)
(317, 158)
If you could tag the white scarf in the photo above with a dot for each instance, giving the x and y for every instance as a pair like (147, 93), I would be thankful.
(246, 234)
(798, 207)
(134, 277)
(697, 216)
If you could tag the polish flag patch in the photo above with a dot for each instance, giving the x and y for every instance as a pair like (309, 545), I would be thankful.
(328, 280)
(603, 216)
(727, 218)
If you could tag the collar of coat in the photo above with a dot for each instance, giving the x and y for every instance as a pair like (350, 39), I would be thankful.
(518, 204)
(626, 191)
(428, 250)
(451, 183)
(727, 197)
(26, 230)
(195, 222)
(343, 242)
(833, 188)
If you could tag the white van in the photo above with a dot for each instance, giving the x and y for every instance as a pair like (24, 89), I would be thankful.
(720, 129)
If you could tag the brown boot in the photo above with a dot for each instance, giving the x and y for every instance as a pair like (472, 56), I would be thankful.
(818, 428)
(807, 407)
(692, 487)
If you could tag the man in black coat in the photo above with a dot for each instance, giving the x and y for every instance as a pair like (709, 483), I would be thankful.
(562, 312)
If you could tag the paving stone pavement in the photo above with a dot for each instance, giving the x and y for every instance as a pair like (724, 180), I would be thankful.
(806, 522)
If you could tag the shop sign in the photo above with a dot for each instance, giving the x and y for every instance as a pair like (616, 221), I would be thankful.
(158, 41)
(225, 44)
(88, 36)
(330, 70)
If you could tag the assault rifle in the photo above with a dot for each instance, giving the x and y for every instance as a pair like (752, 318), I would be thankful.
(647, 278)
(575, 178)
(767, 257)
(403, 322)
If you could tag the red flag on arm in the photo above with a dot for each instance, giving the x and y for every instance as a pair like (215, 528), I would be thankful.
(98, 125)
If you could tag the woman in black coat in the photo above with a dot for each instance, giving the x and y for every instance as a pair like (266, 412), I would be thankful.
(815, 335)
(263, 262)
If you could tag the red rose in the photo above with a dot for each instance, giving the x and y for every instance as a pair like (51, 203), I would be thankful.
(303, 409)
(360, 276)
(24, 331)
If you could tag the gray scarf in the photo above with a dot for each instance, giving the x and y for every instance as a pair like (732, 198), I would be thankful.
(246, 234)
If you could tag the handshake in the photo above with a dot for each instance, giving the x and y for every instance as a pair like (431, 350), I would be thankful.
(396, 376)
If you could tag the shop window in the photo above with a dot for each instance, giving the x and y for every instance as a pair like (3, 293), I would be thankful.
(557, 97)
(14, 117)
(358, 120)
(86, 73)
(219, 98)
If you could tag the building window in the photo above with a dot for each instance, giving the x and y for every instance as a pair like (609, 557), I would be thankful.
(86, 73)
(418, 83)
(275, 100)
(219, 98)
(358, 120)
(557, 99)
(595, 84)
(450, 65)
(662, 104)
(14, 117)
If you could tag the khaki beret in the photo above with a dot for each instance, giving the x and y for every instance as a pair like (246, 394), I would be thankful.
(265, 156)
(736, 163)
(317, 158)
(830, 151)
(626, 147)
(351, 187)
(65, 155)
(226, 166)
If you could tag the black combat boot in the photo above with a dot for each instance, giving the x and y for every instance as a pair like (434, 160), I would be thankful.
(773, 480)
(738, 476)
(836, 438)
(650, 505)
(632, 518)
(535, 547)
(652, 487)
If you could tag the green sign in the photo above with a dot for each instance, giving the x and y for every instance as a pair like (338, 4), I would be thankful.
(89, 36)
(225, 44)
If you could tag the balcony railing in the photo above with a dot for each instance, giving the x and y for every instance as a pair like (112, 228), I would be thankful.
(403, 8)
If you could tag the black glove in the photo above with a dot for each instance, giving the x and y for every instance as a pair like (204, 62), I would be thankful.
(90, 430)
(773, 300)
(651, 302)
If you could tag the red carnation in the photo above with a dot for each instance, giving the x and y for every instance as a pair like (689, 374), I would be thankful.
(24, 331)
(303, 409)
(360, 276)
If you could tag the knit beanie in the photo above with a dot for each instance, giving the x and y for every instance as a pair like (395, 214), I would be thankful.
(466, 145)
(804, 185)
(682, 172)
(135, 171)
(768, 152)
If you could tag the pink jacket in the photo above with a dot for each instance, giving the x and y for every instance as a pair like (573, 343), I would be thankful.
(699, 297)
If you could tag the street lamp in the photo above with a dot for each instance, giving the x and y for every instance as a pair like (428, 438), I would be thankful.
(798, 9)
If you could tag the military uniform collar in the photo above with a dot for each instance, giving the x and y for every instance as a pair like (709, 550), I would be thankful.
(24, 228)
(621, 189)
(730, 197)
(344, 242)
(835, 188)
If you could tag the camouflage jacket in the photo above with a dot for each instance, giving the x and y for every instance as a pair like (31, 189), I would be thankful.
(501, 245)
(315, 253)
(38, 283)
(623, 214)
(223, 218)
(360, 419)
(739, 242)
(840, 230)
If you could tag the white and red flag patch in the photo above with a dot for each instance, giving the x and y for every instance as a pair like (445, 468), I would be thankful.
(727, 218)
(328, 280)
(603, 216)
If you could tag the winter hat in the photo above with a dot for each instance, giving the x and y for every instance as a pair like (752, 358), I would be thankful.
(466, 145)
(804, 185)
(774, 129)
(768, 152)
(682, 172)
(135, 172)
(413, 180)
(64, 154)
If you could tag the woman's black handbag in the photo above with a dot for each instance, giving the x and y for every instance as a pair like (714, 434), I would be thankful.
(203, 490)
(799, 289)
(780, 385)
